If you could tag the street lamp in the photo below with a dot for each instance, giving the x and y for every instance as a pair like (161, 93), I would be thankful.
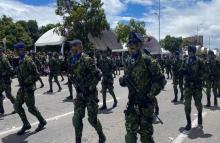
(197, 34)
(158, 16)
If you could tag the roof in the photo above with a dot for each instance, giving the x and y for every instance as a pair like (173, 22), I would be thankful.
(50, 38)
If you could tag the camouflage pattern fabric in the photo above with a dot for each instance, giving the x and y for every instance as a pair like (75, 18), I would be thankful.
(88, 77)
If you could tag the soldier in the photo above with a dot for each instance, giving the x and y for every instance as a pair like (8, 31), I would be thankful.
(117, 64)
(144, 80)
(106, 66)
(6, 72)
(177, 76)
(27, 75)
(56, 56)
(38, 64)
(69, 83)
(85, 77)
(212, 70)
(54, 71)
(168, 67)
(193, 74)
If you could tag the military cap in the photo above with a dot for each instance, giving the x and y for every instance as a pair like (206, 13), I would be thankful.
(75, 42)
(135, 38)
(192, 48)
(19, 45)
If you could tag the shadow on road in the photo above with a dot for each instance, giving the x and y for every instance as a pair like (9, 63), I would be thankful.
(14, 138)
(213, 108)
(108, 111)
(196, 133)
(178, 103)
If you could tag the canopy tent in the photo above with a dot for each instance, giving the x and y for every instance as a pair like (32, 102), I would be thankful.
(107, 39)
(50, 38)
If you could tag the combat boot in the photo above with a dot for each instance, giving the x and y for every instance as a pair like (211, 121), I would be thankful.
(50, 91)
(208, 103)
(104, 107)
(41, 126)
(182, 98)
(200, 119)
(215, 102)
(78, 140)
(189, 125)
(25, 127)
(102, 138)
(174, 100)
(42, 85)
(60, 89)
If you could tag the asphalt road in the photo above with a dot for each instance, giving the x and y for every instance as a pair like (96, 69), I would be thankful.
(59, 112)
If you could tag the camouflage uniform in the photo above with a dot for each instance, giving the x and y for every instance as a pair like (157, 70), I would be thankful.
(118, 64)
(69, 83)
(193, 74)
(60, 64)
(27, 75)
(85, 76)
(6, 71)
(177, 77)
(212, 78)
(106, 66)
(38, 65)
(149, 81)
(168, 67)
(54, 71)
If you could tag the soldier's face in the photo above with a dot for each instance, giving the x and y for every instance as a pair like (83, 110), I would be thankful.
(76, 49)
(21, 52)
(133, 49)
(191, 54)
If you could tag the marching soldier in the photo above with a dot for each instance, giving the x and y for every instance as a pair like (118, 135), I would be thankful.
(6, 72)
(177, 77)
(144, 80)
(212, 71)
(106, 66)
(85, 77)
(193, 73)
(27, 76)
(54, 71)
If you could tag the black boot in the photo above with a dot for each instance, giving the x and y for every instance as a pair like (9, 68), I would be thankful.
(115, 104)
(189, 125)
(42, 85)
(50, 91)
(104, 107)
(25, 127)
(102, 138)
(41, 126)
(60, 89)
(182, 98)
(200, 119)
(208, 103)
(78, 140)
(215, 102)
(69, 97)
(174, 100)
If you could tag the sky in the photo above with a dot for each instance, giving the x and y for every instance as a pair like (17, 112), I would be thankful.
(178, 17)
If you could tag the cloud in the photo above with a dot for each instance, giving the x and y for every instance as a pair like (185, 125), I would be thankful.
(183, 21)
(20, 11)
(141, 2)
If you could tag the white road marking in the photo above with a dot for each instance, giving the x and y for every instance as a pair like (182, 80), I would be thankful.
(180, 138)
(13, 129)
(63, 90)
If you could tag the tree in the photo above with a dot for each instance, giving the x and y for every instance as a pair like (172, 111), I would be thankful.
(80, 19)
(171, 44)
(123, 30)
(33, 30)
(14, 32)
(46, 28)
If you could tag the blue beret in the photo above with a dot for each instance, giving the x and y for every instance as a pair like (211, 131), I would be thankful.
(135, 38)
(20, 45)
(75, 42)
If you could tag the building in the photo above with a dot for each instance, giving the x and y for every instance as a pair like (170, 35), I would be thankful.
(194, 40)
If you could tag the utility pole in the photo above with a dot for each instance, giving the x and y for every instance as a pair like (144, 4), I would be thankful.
(159, 21)
(209, 43)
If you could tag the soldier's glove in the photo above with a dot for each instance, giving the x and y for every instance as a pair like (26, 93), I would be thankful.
(122, 82)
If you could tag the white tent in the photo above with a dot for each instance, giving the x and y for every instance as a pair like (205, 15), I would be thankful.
(50, 38)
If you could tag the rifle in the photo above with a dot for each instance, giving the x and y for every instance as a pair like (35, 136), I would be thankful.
(142, 101)
(82, 90)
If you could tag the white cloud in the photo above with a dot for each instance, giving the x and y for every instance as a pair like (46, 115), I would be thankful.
(141, 2)
(183, 21)
(20, 11)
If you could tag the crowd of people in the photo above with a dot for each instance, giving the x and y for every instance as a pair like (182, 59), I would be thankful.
(144, 75)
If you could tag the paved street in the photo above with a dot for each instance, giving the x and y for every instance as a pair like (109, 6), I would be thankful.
(59, 116)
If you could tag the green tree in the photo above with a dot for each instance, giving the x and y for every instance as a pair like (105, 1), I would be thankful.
(123, 30)
(13, 32)
(171, 44)
(33, 30)
(80, 19)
